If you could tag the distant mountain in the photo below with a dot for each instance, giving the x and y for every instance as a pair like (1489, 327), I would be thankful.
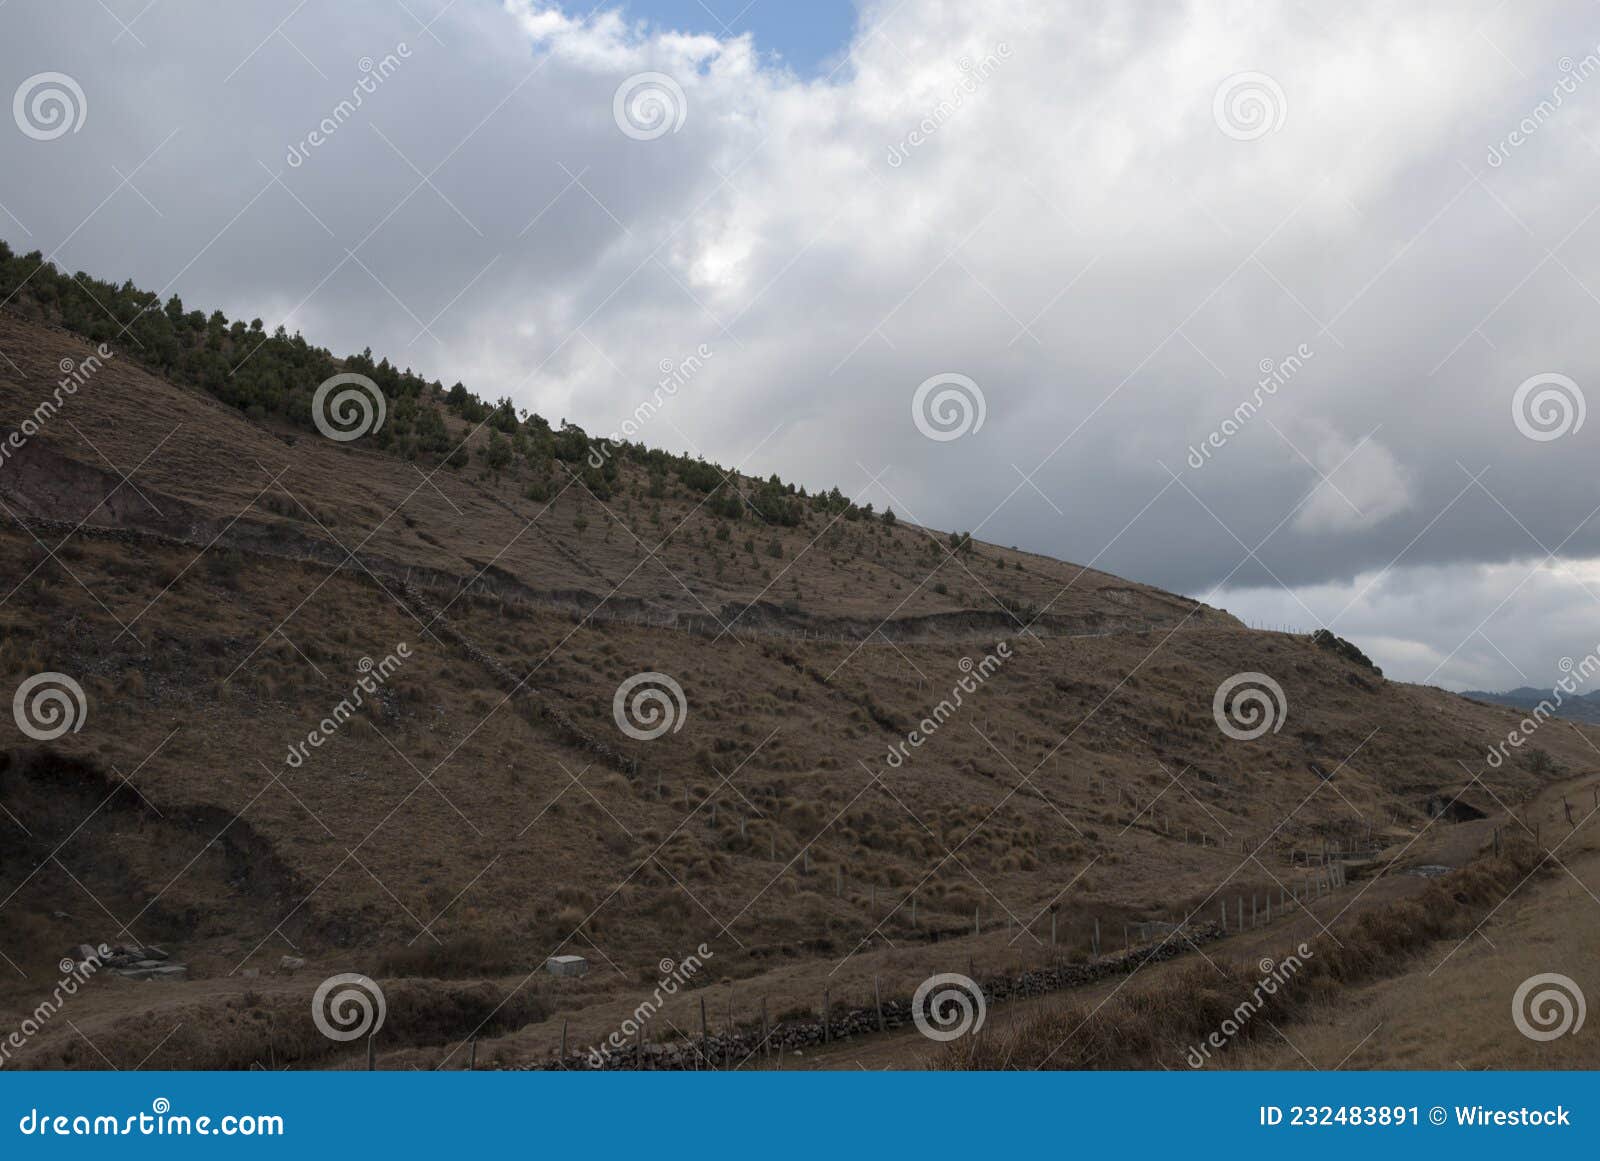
(1574, 707)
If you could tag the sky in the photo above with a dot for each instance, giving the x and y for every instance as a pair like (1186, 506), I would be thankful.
(809, 37)
(1290, 313)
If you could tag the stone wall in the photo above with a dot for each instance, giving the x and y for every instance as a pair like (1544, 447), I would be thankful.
(732, 1049)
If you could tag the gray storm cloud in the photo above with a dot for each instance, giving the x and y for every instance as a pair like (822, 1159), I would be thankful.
(1120, 221)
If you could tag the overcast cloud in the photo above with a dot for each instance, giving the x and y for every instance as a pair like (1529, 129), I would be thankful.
(1106, 248)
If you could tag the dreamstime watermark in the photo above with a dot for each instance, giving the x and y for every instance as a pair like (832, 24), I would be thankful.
(74, 374)
(48, 706)
(1273, 376)
(1249, 704)
(948, 406)
(1575, 73)
(348, 1006)
(1247, 106)
(658, 707)
(343, 415)
(974, 74)
(74, 974)
(1273, 977)
(976, 674)
(49, 105)
(649, 105)
(673, 376)
(373, 676)
(1548, 1006)
(1548, 406)
(1547, 707)
(161, 1121)
(673, 977)
(948, 1006)
(373, 74)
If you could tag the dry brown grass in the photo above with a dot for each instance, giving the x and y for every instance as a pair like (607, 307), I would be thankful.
(461, 808)
(1155, 1027)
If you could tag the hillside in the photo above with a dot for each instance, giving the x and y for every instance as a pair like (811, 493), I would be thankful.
(1578, 707)
(218, 577)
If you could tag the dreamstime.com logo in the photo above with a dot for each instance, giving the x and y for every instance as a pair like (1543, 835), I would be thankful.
(1574, 675)
(74, 975)
(1273, 977)
(673, 376)
(1548, 1006)
(1273, 376)
(49, 105)
(349, 414)
(1574, 73)
(649, 105)
(974, 674)
(373, 74)
(1548, 406)
(74, 374)
(1248, 106)
(655, 709)
(160, 1121)
(947, 406)
(948, 1006)
(973, 75)
(1247, 705)
(48, 706)
(674, 976)
(348, 1006)
(373, 676)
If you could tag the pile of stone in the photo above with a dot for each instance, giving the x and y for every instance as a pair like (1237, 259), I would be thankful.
(131, 961)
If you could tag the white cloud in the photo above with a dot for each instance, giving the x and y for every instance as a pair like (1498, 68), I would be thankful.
(1362, 485)
(1076, 234)
(1487, 626)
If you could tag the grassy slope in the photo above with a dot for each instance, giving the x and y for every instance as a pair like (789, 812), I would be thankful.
(498, 858)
